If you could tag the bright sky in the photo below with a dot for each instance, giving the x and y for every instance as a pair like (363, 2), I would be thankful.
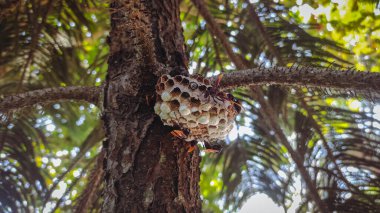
(260, 203)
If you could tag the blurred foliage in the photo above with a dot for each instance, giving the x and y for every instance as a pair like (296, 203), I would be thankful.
(44, 150)
(47, 152)
(338, 138)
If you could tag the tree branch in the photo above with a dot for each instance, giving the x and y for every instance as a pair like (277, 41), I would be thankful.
(357, 82)
(79, 93)
(364, 83)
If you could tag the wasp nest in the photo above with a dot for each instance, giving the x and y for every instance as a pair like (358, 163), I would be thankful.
(192, 103)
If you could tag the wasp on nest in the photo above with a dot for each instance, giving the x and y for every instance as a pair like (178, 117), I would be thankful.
(196, 109)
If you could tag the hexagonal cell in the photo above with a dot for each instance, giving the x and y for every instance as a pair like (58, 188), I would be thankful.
(164, 115)
(175, 92)
(194, 102)
(204, 118)
(202, 88)
(190, 117)
(212, 127)
(173, 115)
(174, 105)
(165, 108)
(164, 78)
(205, 107)
(214, 120)
(213, 110)
(222, 121)
(157, 109)
(185, 95)
(192, 124)
(193, 85)
(196, 113)
(165, 96)
(185, 82)
(160, 87)
(169, 83)
(178, 78)
(184, 110)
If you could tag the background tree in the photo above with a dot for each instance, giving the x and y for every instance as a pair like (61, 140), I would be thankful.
(51, 152)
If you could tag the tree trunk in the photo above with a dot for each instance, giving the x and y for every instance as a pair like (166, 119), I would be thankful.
(145, 169)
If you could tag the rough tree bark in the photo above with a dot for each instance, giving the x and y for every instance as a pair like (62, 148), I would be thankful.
(145, 170)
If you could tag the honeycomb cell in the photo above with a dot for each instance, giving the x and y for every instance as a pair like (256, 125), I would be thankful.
(175, 92)
(213, 110)
(205, 107)
(184, 110)
(169, 83)
(185, 95)
(194, 109)
(192, 124)
(202, 88)
(157, 109)
(214, 120)
(172, 115)
(185, 82)
(178, 78)
(165, 108)
(161, 86)
(213, 127)
(164, 115)
(165, 96)
(204, 119)
(196, 113)
(164, 78)
(193, 85)
(174, 105)
(195, 102)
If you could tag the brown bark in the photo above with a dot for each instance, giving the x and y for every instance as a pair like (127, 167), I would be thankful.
(145, 170)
